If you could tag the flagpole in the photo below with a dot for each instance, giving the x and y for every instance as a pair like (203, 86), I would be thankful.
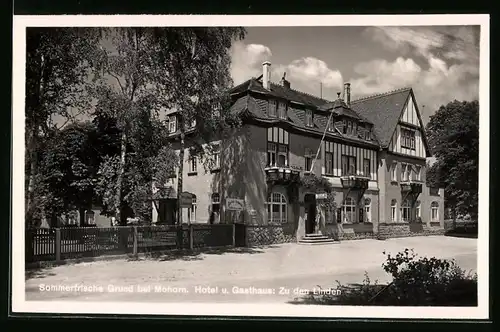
(320, 143)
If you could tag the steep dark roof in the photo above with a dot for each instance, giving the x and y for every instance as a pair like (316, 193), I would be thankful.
(280, 91)
(383, 111)
(250, 104)
(340, 108)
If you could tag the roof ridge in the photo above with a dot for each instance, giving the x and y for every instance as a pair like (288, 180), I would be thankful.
(378, 95)
(304, 93)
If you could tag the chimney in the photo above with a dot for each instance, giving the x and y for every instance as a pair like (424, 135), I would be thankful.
(347, 94)
(284, 82)
(266, 75)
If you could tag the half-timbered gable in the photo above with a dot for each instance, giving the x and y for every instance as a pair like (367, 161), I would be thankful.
(397, 122)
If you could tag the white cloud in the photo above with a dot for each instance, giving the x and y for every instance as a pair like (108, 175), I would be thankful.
(452, 70)
(381, 75)
(246, 60)
(305, 74)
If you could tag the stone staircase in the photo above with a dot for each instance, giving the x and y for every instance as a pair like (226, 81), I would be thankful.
(316, 239)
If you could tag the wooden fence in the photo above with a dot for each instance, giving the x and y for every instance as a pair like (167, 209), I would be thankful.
(55, 244)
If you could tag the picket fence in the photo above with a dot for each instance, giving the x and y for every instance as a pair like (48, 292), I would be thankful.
(56, 244)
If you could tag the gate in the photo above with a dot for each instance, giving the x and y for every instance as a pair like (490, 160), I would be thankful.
(239, 235)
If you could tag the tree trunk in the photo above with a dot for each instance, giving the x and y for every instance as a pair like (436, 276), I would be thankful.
(180, 178)
(119, 181)
(30, 195)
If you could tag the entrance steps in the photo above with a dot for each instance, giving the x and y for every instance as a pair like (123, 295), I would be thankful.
(316, 239)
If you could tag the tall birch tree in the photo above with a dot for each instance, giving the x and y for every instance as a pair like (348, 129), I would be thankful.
(191, 74)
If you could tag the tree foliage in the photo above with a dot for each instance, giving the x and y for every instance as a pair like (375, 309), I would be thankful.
(126, 78)
(453, 134)
(57, 68)
(190, 71)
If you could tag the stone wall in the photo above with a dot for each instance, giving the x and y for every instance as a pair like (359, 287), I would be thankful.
(262, 235)
(392, 230)
(344, 232)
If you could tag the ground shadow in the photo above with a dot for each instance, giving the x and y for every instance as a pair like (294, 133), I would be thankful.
(463, 294)
(469, 235)
(199, 254)
(38, 273)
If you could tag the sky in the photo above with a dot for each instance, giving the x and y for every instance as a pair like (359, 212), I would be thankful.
(440, 63)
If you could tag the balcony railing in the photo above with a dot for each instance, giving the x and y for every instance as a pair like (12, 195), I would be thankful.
(414, 186)
(355, 181)
(281, 174)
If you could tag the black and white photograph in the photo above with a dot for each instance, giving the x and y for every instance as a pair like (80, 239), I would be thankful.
(276, 166)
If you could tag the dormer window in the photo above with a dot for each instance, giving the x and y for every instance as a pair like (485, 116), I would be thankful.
(282, 110)
(309, 118)
(331, 125)
(172, 124)
(272, 108)
(367, 133)
(349, 127)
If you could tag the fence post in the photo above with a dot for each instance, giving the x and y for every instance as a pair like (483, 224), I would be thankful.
(57, 244)
(234, 234)
(134, 248)
(191, 237)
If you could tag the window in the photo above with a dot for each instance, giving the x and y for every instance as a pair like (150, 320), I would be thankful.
(405, 172)
(407, 139)
(216, 156)
(349, 211)
(192, 210)
(348, 165)
(282, 110)
(172, 124)
(329, 163)
(215, 211)
(367, 214)
(417, 210)
(366, 167)
(271, 154)
(405, 211)
(434, 191)
(344, 126)
(308, 157)
(309, 118)
(276, 208)
(349, 128)
(394, 206)
(418, 173)
(272, 108)
(331, 125)
(434, 211)
(368, 133)
(193, 165)
(282, 155)
(394, 174)
(89, 217)
(277, 147)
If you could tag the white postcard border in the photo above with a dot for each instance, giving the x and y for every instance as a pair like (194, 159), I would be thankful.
(20, 305)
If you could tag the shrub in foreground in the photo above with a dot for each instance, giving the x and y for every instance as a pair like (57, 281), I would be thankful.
(416, 281)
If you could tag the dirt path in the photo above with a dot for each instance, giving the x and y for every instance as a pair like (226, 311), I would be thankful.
(202, 278)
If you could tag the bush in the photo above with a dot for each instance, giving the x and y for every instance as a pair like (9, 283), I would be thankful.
(415, 282)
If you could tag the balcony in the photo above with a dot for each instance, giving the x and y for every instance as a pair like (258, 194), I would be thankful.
(355, 181)
(281, 174)
(411, 186)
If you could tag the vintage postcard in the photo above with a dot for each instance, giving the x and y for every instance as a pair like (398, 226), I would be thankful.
(274, 166)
